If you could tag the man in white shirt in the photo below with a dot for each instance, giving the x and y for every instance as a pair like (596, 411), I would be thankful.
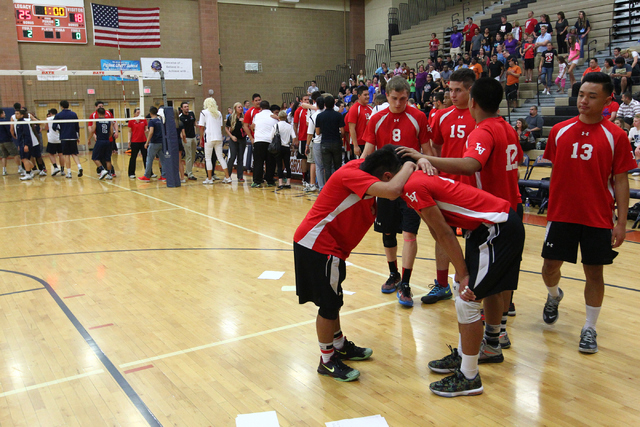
(313, 142)
(54, 146)
(436, 75)
(262, 124)
(629, 108)
(313, 88)
(541, 44)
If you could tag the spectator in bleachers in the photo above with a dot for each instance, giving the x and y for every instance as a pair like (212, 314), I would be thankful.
(371, 88)
(607, 68)
(499, 41)
(634, 139)
(434, 45)
(496, 68)
(477, 68)
(466, 58)
(583, 27)
(501, 56)
(460, 65)
(421, 80)
(616, 53)
(527, 140)
(527, 51)
(541, 43)
(513, 78)
(621, 124)
(544, 23)
(382, 69)
(505, 27)
(436, 75)
(530, 24)
(572, 58)
(545, 71)
(412, 85)
(397, 71)
(631, 57)
(621, 76)
(610, 112)
(628, 109)
(487, 35)
(445, 75)
(313, 88)
(456, 42)
(534, 122)
(449, 62)
(361, 76)
(562, 74)
(486, 46)
(511, 45)
(517, 32)
(469, 31)
(428, 89)
(476, 43)
(561, 32)
(343, 90)
(439, 65)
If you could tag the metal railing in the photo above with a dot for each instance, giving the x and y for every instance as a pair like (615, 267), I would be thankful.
(456, 21)
(632, 6)
(589, 49)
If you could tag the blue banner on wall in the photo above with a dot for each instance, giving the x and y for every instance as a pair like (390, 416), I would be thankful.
(116, 65)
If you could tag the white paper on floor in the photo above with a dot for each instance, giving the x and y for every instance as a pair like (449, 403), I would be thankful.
(372, 421)
(271, 275)
(288, 288)
(259, 419)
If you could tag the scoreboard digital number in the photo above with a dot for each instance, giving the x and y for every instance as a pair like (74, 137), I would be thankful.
(50, 24)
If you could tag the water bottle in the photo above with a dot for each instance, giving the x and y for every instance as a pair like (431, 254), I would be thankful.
(527, 205)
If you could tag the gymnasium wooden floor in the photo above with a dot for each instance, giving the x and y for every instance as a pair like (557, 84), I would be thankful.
(131, 304)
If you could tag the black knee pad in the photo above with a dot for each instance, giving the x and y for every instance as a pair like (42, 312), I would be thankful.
(328, 313)
(389, 240)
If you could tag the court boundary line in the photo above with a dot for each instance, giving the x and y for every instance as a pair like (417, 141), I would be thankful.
(85, 219)
(124, 385)
(54, 382)
(20, 292)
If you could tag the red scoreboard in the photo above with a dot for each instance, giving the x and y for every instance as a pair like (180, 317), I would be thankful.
(50, 24)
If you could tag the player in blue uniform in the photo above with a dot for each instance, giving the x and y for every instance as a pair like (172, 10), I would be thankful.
(102, 129)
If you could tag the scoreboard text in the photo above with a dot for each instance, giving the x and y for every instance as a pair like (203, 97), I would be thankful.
(50, 24)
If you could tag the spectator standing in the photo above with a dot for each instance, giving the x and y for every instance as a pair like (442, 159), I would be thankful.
(476, 43)
(469, 31)
(238, 140)
(544, 22)
(434, 46)
(330, 126)
(263, 123)
(528, 52)
(313, 88)
(530, 24)
(513, 78)
(421, 81)
(561, 33)
(517, 32)
(283, 157)
(137, 139)
(188, 120)
(412, 84)
(511, 45)
(541, 43)
(562, 73)
(572, 59)
(496, 68)
(535, 122)
(456, 43)
(211, 124)
(545, 70)
(505, 27)
(8, 148)
(247, 121)
(357, 119)
(584, 27)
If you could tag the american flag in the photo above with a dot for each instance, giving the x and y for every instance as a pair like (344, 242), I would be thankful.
(125, 26)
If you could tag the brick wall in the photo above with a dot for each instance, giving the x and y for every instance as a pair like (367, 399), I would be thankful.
(294, 45)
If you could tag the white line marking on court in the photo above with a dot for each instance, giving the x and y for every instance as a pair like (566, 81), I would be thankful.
(244, 337)
(86, 219)
(54, 382)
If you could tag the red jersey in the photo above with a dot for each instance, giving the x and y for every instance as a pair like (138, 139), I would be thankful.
(585, 159)
(531, 53)
(461, 205)
(433, 45)
(497, 147)
(249, 115)
(472, 28)
(137, 130)
(530, 25)
(360, 115)
(341, 215)
(300, 117)
(409, 128)
(450, 129)
(608, 110)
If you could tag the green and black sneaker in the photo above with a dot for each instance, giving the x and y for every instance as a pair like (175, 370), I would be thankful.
(457, 385)
(447, 364)
(336, 369)
(350, 351)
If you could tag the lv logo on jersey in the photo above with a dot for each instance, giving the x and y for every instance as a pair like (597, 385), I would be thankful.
(412, 197)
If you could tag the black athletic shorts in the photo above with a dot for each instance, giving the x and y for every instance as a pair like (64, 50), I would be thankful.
(102, 151)
(69, 147)
(319, 277)
(394, 216)
(493, 254)
(529, 63)
(54, 148)
(511, 91)
(301, 148)
(562, 239)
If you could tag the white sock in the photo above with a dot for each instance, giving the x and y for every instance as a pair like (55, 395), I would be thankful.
(592, 317)
(469, 367)
(554, 291)
(459, 344)
(79, 166)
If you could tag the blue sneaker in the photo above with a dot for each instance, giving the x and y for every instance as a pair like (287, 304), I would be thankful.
(391, 284)
(437, 293)
(404, 295)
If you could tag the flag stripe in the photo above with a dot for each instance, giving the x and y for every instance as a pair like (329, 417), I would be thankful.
(125, 26)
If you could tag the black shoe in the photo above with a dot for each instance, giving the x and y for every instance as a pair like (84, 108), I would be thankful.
(391, 284)
(350, 351)
(79, 173)
(336, 369)
(550, 312)
(192, 178)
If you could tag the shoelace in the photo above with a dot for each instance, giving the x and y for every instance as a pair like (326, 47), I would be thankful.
(588, 336)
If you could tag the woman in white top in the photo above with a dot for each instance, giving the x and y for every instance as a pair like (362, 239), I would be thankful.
(211, 132)
(283, 158)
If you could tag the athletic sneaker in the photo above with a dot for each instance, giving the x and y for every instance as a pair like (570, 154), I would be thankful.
(405, 297)
(437, 293)
(21, 170)
(103, 174)
(550, 312)
(336, 369)
(391, 284)
(489, 354)
(4, 172)
(241, 180)
(457, 385)
(207, 181)
(192, 178)
(635, 174)
(162, 178)
(311, 188)
(271, 184)
(80, 172)
(505, 342)
(183, 180)
(109, 176)
(226, 181)
(214, 177)
(144, 178)
(512, 310)
(132, 177)
(447, 364)
(68, 174)
(588, 342)
(27, 176)
(153, 175)
(55, 172)
(287, 186)
(350, 351)
(256, 185)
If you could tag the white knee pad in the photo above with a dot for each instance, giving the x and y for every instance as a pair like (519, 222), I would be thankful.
(467, 311)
